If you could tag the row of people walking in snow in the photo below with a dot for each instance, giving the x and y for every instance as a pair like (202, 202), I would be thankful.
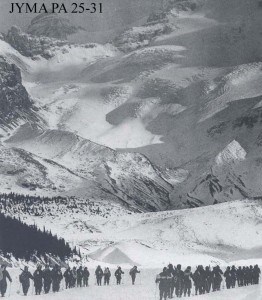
(173, 279)
(42, 279)
(118, 275)
(47, 278)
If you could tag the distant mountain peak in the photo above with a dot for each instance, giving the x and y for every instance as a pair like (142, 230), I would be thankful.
(232, 152)
(53, 26)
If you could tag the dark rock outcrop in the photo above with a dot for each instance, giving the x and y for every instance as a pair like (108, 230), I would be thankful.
(31, 46)
(53, 26)
(15, 103)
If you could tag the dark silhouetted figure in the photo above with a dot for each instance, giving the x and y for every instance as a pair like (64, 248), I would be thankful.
(118, 275)
(179, 277)
(217, 278)
(57, 276)
(245, 274)
(240, 277)
(256, 272)
(133, 273)
(68, 278)
(251, 276)
(187, 281)
(227, 276)
(107, 275)
(99, 275)
(86, 275)
(172, 274)
(47, 276)
(233, 273)
(164, 283)
(199, 280)
(73, 277)
(24, 279)
(38, 280)
(208, 279)
(3, 282)
(79, 273)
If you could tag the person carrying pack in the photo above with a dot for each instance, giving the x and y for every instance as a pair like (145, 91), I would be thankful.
(56, 278)
(38, 280)
(227, 275)
(73, 277)
(172, 281)
(208, 279)
(86, 275)
(233, 273)
(187, 284)
(99, 275)
(68, 277)
(240, 277)
(47, 276)
(179, 275)
(133, 273)
(118, 275)
(79, 274)
(3, 282)
(107, 275)
(217, 278)
(24, 279)
(256, 272)
(164, 284)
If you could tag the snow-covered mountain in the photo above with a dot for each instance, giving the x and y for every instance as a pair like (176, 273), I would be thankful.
(108, 139)
(167, 115)
(93, 170)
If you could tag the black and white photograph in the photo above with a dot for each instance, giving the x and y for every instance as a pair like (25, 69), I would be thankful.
(130, 149)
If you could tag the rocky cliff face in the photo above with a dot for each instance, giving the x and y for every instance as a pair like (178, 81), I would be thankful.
(15, 103)
(31, 46)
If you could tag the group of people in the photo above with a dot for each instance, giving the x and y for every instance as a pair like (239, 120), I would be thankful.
(43, 279)
(47, 278)
(243, 276)
(118, 275)
(76, 277)
(173, 279)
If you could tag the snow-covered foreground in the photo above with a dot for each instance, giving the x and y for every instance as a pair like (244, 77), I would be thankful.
(145, 289)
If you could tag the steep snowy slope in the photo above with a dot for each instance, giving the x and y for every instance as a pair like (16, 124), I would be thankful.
(233, 175)
(116, 173)
(26, 173)
(111, 172)
(186, 86)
